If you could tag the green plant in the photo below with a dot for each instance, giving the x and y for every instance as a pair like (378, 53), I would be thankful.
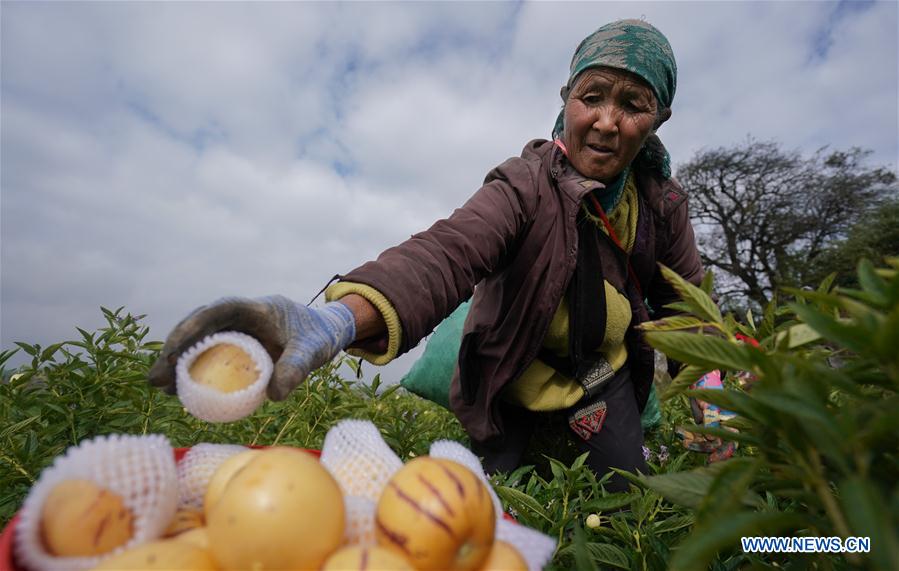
(819, 427)
(635, 529)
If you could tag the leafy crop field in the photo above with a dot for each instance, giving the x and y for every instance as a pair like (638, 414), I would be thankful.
(818, 432)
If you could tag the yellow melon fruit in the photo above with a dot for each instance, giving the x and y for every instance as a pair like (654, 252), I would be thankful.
(223, 475)
(437, 514)
(282, 510)
(196, 536)
(185, 519)
(365, 558)
(166, 555)
(504, 557)
(81, 519)
(224, 367)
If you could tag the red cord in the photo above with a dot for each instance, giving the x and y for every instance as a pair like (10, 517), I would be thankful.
(605, 220)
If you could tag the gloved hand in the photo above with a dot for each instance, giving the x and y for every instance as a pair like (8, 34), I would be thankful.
(298, 338)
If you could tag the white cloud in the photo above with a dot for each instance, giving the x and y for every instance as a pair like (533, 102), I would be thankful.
(160, 155)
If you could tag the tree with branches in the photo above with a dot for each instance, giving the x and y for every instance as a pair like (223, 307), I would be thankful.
(764, 215)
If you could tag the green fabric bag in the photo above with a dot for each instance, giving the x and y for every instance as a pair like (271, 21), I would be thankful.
(432, 373)
(652, 414)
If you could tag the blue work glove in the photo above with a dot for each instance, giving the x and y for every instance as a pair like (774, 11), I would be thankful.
(298, 338)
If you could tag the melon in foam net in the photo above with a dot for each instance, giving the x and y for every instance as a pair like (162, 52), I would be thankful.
(81, 519)
(105, 494)
(282, 510)
(223, 377)
(437, 514)
(225, 367)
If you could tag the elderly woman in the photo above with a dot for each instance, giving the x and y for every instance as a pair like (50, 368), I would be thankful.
(562, 243)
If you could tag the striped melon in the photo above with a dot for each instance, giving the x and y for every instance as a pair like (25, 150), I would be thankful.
(437, 514)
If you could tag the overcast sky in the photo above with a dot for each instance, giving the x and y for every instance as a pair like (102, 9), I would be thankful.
(162, 155)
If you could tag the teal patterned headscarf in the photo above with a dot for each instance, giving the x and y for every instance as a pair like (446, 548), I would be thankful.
(638, 47)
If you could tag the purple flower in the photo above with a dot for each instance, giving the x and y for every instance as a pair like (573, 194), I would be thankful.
(647, 453)
(663, 454)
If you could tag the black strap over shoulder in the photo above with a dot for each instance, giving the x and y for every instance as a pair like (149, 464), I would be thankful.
(586, 306)
(586, 298)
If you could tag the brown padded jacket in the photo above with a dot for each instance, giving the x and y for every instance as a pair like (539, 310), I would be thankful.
(516, 239)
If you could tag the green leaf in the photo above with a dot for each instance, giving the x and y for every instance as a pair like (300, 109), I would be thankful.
(579, 462)
(522, 502)
(701, 546)
(604, 553)
(675, 523)
(739, 423)
(641, 505)
(515, 477)
(699, 301)
(50, 351)
(684, 488)
(29, 349)
(673, 323)
(826, 283)
(56, 408)
(708, 281)
(389, 391)
(88, 337)
(17, 427)
(868, 516)
(882, 424)
(690, 488)
(620, 526)
(558, 470)
(872, 284)
(849, 336)
(769, 318)
(610, 502)
(679, 307)
(702, 350)
(798, 335)
(823, 429)
(582, 559)
(730, 484)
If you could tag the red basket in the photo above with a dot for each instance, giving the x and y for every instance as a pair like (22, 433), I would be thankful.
(6, 538)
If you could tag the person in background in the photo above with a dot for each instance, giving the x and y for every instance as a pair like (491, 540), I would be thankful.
(559, 251)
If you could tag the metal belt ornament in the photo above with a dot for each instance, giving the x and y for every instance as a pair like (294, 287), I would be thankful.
(587, 420)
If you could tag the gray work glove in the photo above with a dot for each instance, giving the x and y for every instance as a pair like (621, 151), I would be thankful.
(298, 338)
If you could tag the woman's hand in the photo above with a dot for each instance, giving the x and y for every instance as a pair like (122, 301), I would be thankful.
(298, 338)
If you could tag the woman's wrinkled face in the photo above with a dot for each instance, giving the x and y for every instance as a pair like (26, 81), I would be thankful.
(608, 116)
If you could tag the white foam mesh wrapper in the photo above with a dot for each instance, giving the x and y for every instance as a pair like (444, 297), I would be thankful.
(362, 463)
(359, 459)
(536, 548)
(211, 405)
(140, 469)
(196, 469)
(360, 521)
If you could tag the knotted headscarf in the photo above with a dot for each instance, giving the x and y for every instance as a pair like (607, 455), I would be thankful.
(638, 47)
